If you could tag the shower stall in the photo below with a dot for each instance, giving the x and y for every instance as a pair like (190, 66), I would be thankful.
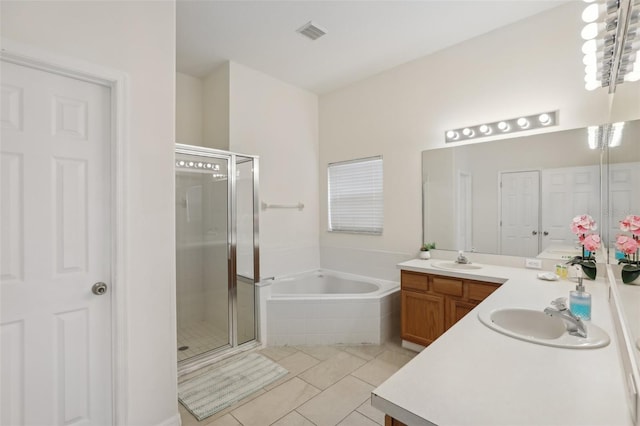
(217, 252)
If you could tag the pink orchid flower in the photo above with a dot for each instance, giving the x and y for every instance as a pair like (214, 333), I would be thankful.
(631, 224)
(627, 244)
(583, 223)
(591, 242)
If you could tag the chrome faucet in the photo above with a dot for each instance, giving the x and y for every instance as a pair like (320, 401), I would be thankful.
(462, 258)
(575, 325)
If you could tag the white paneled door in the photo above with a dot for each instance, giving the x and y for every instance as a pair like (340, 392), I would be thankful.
(566, 193)
(55, 224)
(519, 213)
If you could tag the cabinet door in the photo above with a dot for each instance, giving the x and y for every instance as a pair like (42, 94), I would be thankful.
(422, 319)
(390, 421)
(456, 310)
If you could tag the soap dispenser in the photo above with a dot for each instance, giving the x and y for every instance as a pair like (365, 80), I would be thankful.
(580, 300)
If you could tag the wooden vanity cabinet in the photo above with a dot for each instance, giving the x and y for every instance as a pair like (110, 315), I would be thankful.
(390, 421)
(431, 303)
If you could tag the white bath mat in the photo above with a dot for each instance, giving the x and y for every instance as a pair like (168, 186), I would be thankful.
(218, 388)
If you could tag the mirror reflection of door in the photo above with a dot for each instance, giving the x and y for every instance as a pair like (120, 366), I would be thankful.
(519, 213)
(464, 209)
(566, 193)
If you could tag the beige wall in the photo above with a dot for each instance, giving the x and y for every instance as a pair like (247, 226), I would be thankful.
(279, 122)
(532, 66)
(246, 111)
(137, 38)
(216, 108)
(189, 109)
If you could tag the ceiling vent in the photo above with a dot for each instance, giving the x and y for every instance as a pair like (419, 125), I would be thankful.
(311, 31)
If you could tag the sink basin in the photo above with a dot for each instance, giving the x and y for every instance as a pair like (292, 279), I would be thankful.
(453, 266)
(537, 327)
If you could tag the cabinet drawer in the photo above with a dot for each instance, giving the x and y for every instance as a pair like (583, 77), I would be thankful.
(414, 281)
(447, 286)
(480, 292)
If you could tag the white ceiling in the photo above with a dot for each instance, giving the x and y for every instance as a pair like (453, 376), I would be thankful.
(363, 37)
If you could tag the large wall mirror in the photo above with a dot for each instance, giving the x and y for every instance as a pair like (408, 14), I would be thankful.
(624, 199)
(517, 196)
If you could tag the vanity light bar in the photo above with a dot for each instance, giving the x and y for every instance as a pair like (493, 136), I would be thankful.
(528, 122)
(605, 135)
(612, 44)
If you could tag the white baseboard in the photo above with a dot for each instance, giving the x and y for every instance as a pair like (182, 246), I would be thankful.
(174, 420)
(412, 346)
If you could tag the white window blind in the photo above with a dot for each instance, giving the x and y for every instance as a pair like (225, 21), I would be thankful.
(355, 196)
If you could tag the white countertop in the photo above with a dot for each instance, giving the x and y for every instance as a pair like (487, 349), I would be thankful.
(473, 375)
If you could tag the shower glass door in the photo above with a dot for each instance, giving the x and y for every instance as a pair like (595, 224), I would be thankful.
(202, 254)
(246, 244)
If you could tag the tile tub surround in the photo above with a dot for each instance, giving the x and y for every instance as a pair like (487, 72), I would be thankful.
(474, 375)
(326, 385)
(331, 318)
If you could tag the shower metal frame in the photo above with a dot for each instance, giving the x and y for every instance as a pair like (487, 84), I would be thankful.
(213, 355)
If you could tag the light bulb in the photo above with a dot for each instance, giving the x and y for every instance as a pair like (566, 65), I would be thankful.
(468, 132)
(589, 46)
(523, 122)
(452, 135)
(484, 129)
(616, 134)
(591, 69)
(592, 136)
(590, 77)
(181, 163)
(544, 119)
(504, 126)
(590, 58)
(632, 76)
(591, 13)
(589, 31)
(592, 85)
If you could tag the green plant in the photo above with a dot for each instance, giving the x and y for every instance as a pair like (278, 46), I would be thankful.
(427, 246)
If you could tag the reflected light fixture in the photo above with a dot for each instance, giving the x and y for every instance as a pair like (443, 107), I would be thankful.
(605, 135)
(612, 43)
(529, 122)
(197, 165)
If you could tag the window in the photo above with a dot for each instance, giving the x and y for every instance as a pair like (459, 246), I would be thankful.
(355, 196)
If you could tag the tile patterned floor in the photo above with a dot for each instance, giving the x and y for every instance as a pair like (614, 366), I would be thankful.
(200, 337)
(326, 386)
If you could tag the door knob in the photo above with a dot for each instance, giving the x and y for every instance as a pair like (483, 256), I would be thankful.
(534, 232)
(99, 289)
(545, 233)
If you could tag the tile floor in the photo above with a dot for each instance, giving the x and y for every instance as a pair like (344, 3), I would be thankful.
(326, 386)
(200, 337)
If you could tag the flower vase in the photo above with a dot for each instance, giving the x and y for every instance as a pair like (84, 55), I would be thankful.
(631, 274)
(588, 265)
(589, 268)
(425, 255)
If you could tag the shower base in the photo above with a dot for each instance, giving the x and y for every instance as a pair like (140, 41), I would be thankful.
(200, 337)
